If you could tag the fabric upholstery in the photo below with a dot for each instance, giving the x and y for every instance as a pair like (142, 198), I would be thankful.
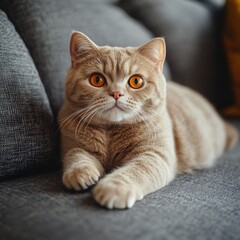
(231, 38)
(45, 27)
(193, 45)
(26, 133)
(200, 206)
(203, 205)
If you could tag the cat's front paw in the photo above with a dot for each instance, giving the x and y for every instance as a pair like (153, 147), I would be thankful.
(80, 178)
(113, 193)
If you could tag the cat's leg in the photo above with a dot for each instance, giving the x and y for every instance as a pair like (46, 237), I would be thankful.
(80, 169)
(129, 183)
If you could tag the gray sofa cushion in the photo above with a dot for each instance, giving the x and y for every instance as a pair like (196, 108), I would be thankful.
(202, 206)
(45, 27)
(193, 44)
(26, 133)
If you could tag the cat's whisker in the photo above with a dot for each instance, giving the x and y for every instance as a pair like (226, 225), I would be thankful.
(83, 119)
(64, 122)
(83, 115)
(72, 117)
(76, 116)
(91, 117)
(86, 117)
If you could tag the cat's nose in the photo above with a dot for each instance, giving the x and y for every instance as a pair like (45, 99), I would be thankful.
(116, 95)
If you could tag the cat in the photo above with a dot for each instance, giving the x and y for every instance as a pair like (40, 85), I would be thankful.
(128, 132)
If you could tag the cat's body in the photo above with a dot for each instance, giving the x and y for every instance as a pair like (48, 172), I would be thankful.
(135, 139)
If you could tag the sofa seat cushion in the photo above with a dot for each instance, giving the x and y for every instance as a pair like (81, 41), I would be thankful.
(203, 205)
(26, 119)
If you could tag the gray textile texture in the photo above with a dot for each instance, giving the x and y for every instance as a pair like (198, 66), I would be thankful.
(194, 50)
(26, 133)
(45, 27)
(201, 206)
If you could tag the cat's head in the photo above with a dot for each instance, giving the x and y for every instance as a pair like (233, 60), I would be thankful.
(115, 84)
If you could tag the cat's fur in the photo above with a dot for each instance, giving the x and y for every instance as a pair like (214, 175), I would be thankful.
(161, 129)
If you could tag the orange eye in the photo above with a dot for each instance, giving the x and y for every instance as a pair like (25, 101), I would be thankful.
(97, 80)
(136, 82)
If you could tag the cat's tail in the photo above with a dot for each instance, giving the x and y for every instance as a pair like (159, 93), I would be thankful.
(232, 136)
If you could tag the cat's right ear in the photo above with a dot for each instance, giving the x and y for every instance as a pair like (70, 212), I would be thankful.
(81, 47)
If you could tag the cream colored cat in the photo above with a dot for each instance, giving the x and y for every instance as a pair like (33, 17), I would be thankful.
(127, 131)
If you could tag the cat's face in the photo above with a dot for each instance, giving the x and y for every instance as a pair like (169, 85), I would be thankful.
(115, 84)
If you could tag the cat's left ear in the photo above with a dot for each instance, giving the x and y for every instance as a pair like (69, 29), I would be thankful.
(155, 51)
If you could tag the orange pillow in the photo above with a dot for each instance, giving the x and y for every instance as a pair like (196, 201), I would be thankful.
(231, 37)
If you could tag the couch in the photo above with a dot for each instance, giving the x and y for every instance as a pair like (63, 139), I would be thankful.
(34, 59)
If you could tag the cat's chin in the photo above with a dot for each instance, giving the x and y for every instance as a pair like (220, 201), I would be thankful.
(116, 115)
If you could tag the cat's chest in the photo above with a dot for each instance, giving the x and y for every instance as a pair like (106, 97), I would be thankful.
(110, 146)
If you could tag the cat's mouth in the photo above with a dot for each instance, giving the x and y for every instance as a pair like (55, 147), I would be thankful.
(116, 106)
